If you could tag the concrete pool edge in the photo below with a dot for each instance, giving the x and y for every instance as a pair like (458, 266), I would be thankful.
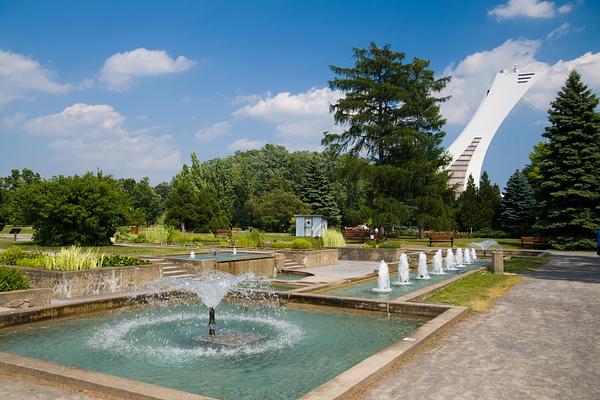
(97, 382)
(350, 381)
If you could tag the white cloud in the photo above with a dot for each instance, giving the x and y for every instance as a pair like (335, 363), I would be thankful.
(561, 31)
(94, 136)
(244, 144)
(528, 9)
(219, 129)
(21, 76)
(472, 76)
(13, 122)
(121, 69)
(299, 119)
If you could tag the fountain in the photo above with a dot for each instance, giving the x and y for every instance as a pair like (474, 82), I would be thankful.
(485, 245)
(468, 257)
(403, 272)
(450, 262)
(383, 279)
(234, 251)
(211, 288)
(422, 271)
(438, 268)
(473, 254)
(459, 258)
(192, 254)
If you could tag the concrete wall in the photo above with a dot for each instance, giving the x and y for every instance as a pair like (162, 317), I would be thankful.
(68, 284)
(25, 298)
(363, 254)
(258, 266)
(312, 258)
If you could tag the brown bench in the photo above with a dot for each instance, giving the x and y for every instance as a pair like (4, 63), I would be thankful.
(441, 239)
(533, 240)
(222, 232)
(357, 234)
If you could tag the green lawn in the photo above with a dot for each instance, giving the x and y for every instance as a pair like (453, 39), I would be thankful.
(523, 265)
(478, 292)
(24, 229)
(458, 242)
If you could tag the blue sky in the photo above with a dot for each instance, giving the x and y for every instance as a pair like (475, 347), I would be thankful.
(134, 87)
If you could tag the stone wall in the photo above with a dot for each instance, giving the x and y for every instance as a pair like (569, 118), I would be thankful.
(68, 284)
(25, 298)
(363, 254)
(312, 258)
(264, 264)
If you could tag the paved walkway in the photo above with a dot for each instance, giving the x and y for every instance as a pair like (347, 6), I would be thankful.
(17, 387)
(541, 341)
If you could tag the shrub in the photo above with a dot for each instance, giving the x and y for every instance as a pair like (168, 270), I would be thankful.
(316, 243)
(37, 262)
(333, 238)
(390, 245)
(280, 245)
(117, 260)
(13, 254)
(254, 239)
(157, 234)
(301, 244)
(12, 279)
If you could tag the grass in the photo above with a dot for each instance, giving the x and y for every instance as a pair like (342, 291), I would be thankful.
(458, 242)
(523, 265)
(478, 292)
(28, 230)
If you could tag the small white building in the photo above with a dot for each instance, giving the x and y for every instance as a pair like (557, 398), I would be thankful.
(310, 225)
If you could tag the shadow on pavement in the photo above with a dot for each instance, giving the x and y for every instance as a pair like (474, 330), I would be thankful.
(570, 268)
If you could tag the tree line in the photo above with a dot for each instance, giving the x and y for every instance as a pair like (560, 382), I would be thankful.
(384, 166)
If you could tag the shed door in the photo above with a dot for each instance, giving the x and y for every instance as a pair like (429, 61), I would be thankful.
(308, 227)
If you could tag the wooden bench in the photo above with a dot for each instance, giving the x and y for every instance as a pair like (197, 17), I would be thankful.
(533, 240)
(441, 239)
(357, 234)
(222, 232)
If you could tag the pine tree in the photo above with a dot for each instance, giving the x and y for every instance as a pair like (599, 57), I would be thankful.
(569, 168)
(390, 114)
(318, 193)
(517, 209)
(489, 200)
(468, 208)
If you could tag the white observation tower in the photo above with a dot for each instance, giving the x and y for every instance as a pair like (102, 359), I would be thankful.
(469, 148)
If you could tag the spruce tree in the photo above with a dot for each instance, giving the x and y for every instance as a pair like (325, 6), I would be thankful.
(489, 200)
(468, 208)
(570, 178)
(517, 209)
(318, 193)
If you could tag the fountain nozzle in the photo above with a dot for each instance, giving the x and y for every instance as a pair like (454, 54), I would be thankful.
(212, 325)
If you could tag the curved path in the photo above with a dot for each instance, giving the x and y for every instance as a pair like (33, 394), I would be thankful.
(541, 341)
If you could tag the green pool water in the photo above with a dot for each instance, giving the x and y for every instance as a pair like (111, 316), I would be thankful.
(363, 289)
(303, 348)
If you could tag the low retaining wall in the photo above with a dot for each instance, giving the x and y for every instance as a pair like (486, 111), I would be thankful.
(264, 264)
(25, 298)
(68, 284)
(312, 258)
(363, 254)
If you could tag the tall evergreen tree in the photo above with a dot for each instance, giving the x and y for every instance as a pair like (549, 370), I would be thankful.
(391, 114)
(489, 200)
(468, 208)
(318, 193)
(517, 209)
(569, 168)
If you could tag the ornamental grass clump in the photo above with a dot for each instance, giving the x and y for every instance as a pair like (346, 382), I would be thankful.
(74, 259)
(12, 279)
(158, 234)
(333, 238)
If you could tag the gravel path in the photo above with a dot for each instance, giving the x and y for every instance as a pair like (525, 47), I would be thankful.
(541, 341)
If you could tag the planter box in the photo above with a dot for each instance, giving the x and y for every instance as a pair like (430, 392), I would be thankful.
(68, 284)
(25, 298)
